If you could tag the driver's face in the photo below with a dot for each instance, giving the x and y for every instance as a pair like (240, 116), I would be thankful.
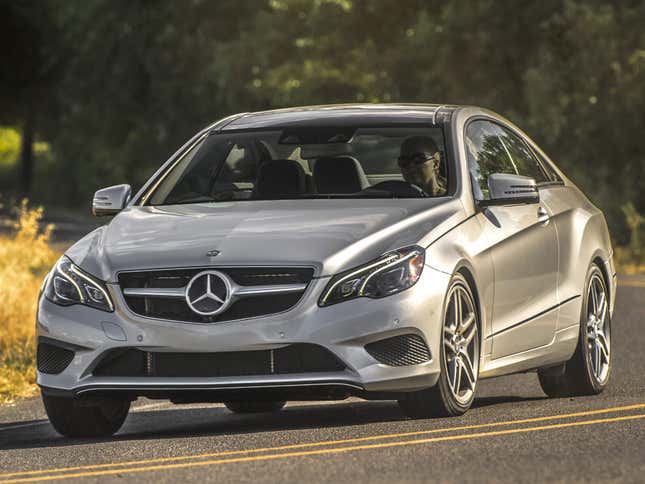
(418, 166)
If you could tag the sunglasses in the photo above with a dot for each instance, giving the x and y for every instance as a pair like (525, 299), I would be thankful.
(415, 158)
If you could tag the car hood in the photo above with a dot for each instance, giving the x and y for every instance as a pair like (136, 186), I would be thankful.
(330, 235)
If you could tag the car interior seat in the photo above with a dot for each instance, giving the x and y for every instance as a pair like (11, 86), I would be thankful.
(339, 174)
(278, 178)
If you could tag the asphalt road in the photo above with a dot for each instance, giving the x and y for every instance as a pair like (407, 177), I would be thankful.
(513, 433)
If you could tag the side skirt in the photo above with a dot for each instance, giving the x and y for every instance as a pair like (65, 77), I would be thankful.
(558, 351)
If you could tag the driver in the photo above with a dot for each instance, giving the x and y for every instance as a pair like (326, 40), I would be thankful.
(419, 163)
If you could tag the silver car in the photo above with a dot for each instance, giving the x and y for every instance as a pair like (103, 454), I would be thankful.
(398, 252)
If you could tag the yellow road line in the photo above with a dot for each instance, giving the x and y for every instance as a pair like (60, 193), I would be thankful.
(330, 442)
(334, 450)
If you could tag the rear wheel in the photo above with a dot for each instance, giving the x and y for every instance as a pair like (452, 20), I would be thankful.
(587, 372)
(73, 418)
(254, 407)
(455, 391)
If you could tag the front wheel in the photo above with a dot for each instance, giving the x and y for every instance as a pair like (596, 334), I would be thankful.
(587, 372)
(73, 418)
(455, 391)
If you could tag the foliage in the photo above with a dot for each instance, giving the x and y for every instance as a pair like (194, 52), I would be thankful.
(9, 146)
(634, 221)
(629, 261)
(631, 258)
(25, 258)
(125, 82)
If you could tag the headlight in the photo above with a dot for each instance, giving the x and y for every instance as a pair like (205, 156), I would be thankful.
(391, 273)
(67, 284)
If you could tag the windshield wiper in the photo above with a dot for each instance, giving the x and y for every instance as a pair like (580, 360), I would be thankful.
(338, 196)
(368, 193)
(184, 201)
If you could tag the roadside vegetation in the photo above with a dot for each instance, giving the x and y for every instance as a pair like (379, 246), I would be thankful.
(630, 259)
(571, 73)
(25, 258)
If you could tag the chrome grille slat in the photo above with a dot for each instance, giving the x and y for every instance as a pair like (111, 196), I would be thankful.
(238, 291)
(262, 290)
(162, 293)
(155, 292)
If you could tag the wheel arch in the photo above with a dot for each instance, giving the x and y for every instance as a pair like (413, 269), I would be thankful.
(466, 270)
(467, 273)
(461, 251)
(583, 240)
(598, 260)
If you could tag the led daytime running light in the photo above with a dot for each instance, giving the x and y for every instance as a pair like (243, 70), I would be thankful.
(376, 279)
(68, 284)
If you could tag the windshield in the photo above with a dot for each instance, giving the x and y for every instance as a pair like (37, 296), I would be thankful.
(294, 163)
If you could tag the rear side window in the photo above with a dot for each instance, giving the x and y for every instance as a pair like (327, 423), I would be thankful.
(239, 166)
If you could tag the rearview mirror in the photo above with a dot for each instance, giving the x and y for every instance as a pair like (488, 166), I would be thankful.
(508, 189)
(111, 200)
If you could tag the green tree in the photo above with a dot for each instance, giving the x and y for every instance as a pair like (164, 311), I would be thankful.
(140, 76)
(31, 60)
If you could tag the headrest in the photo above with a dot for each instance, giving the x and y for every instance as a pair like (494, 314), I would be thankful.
(280, 177)
(340, 174)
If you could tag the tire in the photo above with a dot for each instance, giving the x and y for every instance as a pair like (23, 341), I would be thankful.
(588, 370)
(459, 359)
(72, 419)
(254, 407)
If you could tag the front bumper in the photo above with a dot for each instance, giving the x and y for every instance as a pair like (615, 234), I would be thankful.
(344, 329)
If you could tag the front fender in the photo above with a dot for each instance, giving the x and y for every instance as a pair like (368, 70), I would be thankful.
(464, 249)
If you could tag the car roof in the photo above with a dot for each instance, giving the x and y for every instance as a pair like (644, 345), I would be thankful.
(341, 115)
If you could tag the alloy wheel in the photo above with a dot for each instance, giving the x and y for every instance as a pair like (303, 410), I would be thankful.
(461, 344)
(598, 329)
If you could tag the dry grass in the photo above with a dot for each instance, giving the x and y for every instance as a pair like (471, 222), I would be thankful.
(629, 261)
(25, 259)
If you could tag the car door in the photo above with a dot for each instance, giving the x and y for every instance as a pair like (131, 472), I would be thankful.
(521, 240)
(563, 202)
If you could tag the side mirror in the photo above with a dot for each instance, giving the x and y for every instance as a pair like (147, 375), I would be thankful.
(508, 189)
(111, 200)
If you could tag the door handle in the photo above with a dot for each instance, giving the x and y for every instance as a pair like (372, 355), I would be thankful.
(543, 216)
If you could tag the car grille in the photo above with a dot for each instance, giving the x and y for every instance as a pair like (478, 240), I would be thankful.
(295, 358)
(52, 359)
(407, 349)
(174, 308)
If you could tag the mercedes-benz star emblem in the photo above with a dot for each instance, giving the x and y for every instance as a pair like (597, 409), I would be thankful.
(209, 293)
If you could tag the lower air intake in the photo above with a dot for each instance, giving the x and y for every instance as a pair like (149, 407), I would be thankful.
(403, 350)
(295, 358)
(52, 359)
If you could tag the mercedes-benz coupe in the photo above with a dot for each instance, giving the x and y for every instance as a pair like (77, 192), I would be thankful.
(398, 252)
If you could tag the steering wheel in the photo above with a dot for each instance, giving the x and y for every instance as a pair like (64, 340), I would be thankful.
(400, 188)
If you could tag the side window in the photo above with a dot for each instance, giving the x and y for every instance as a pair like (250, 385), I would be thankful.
(546, 165)
(175, 175)
(487, 154)
(239, 166)
(522, 157)
(193, 179)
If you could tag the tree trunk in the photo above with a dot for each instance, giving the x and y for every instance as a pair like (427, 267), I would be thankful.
(27, 153)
